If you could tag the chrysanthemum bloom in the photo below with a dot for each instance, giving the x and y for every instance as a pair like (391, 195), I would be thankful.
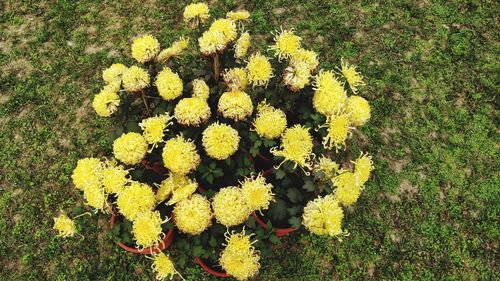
(310, 58)
(173, 51)
(352, 76)
(193, 215)
(180, 155)
(286, 44)
(235, 105)
(106, 103)
(240, 15)
(220, 141)
(200, 89)
(358, 109)
(259, 70)
(196, 11)
(130, 148)
(270, 122)
(242, 45)
(296, 146)
(154, 128)
(296, 76)
(168, 185)
(236, 79)
(329, 95)
(134, 199)
(338, 131)
(362, 168)
(135, 79)
(183, 192)
(328, 167)
(114, 178)
(323, 216)
(88, 172)
(348, 188)
(192, 111)
(257, 193)
(145, 48)
(147, 229)
(65, 226)
(169, 84)
(95, 196)
(212, 42)
(163, 266)
(114, 73)
(239, 258)
(230, 207)
(226, 27)
(113, 86)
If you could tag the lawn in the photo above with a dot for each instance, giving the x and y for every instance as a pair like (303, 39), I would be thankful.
(429, 212)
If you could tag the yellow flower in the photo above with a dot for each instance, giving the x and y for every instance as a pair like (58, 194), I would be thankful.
(135, 199)
(286, 44)
(257, 193)
(193, 215)
(338, 131)
(192, 111)
(358, 110)
(296, 146)
(259, 70)
(328, 167)
(239, 258)
(95, 196)
(235, 105)
(135, 79)
(163, 266)
(230, 207)
(348, 188)
(168, 185)
(212, 42)
(220, 141)
(130, 148)
(87, 173)
(173, 51)
(169, 84)
(296, 76)
(106, 103)
(310, 58)
(114, 178)
(329, 95)
(242, 45)
(270, 122)
(226, 27)
(154, 128)
(180, 155)
(147, 229)
(236, 79)
(145, 48)
(200, 89)
(362, 168)
(114, 73)
(197, 11)
(183, 192)
(323, 216)
(352, 76)
(65, 226)
(240, 15)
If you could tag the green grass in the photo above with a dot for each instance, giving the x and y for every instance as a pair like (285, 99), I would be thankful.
(429, 212)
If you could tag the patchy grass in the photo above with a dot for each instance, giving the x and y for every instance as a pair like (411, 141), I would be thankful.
(430, 211)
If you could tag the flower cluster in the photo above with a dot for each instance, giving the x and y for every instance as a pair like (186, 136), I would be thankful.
(270, 122)
(193, 215)
(154, 128)
(296, 146)
(65, 226)
(169, 84)
(235, 105)
(220, 141)
(130, 148)
(180, 155)
(147, 229)
(239, 258)
(323, 216)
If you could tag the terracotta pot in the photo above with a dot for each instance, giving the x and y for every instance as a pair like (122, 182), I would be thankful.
(209, 270)
(279, 231)
(165, 243)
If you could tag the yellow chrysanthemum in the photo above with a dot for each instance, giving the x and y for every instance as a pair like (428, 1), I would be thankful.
(147, 229)
(296, 76)
(200, 89)
(180, 155)
(113, 86)
(163, 266)
(240, 15)
(173, 51)
(154, 128)
(338, 131)
(296, 146)
(193, 215)
(114, 178)
(329, 95)
(145, 48)
(242, 45)
(135, 199)
(88, 172)
(328, 167)
(235, 105)
(230, 207)
(183, 192)
(257, 193)
(323, 216)
(192, 111)
(114, 73)
(362, 168)
(212, 42)
(236, 79)
(226, 27)
(95, 197)
(239, 258)
(168, 185)
(348, 188)
(197, 11)
(286, 44)
(130, 148)
(65, 226)
(106, 103)
(270, 122)
(259, 70)
(169, 84)
(135, 79)
(358, 109)
(220, 141)
(310, 58)
(352, 76)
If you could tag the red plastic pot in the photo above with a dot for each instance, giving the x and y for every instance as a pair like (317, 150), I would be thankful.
(279, 231)
(155, 167)
(165, 243)
(209, 270)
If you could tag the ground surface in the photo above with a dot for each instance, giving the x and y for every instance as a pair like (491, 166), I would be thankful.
(429, 212)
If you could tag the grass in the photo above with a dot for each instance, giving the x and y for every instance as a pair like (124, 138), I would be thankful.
(430, 211)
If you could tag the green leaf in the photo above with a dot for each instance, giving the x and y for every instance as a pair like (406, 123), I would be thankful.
(197, 250)
(251, 222)
(212, 242)
(309, 186)
(294, 195)
(254, 151)
(217, 173)
(279, 174)
(295, 222)
(277, 210)
(253, 136)
(274, 239)
(292, 211)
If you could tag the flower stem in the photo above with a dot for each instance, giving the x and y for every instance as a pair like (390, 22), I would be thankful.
(216, 67)
(143, 95)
